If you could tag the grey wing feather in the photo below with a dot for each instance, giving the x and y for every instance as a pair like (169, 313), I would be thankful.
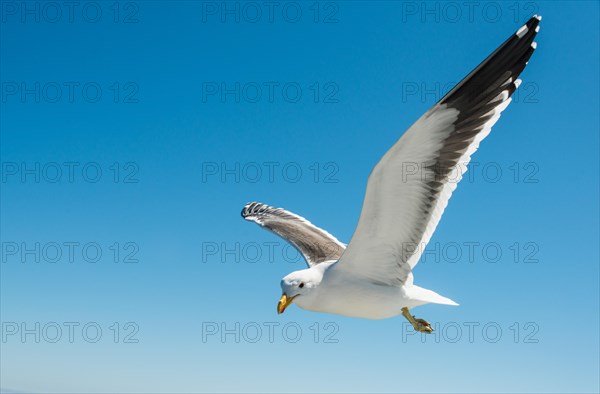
(315, 244)
(402, 208)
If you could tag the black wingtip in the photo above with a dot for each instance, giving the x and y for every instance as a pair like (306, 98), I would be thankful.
(507, 61)
(531, 25)
(247, 210)
(254, 208)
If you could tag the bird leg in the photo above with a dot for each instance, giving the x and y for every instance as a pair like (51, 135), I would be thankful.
(418, 324)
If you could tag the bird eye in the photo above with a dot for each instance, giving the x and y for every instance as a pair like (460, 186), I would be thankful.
(301, 285)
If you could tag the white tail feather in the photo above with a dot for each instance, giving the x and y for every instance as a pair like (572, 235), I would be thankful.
(429, 297)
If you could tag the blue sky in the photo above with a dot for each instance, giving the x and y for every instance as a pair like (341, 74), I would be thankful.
(132, 134)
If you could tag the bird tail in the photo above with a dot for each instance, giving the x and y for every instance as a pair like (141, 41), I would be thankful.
(430, 297)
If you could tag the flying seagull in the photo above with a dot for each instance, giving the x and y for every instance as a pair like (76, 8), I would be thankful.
(372, 276)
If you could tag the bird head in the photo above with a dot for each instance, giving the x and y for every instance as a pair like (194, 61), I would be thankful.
(297, 284)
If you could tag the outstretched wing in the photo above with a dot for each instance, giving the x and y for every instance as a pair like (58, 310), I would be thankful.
(409, 188)
(315, 244)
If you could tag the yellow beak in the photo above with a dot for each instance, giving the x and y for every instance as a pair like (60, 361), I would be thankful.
(284, 302)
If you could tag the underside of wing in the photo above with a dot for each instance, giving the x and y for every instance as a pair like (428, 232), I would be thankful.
(315, 244)
(409, 188)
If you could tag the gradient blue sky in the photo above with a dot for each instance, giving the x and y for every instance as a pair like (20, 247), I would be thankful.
(378, 67)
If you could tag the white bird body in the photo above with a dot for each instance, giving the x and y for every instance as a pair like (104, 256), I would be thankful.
(407, 193)
(347, 295)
